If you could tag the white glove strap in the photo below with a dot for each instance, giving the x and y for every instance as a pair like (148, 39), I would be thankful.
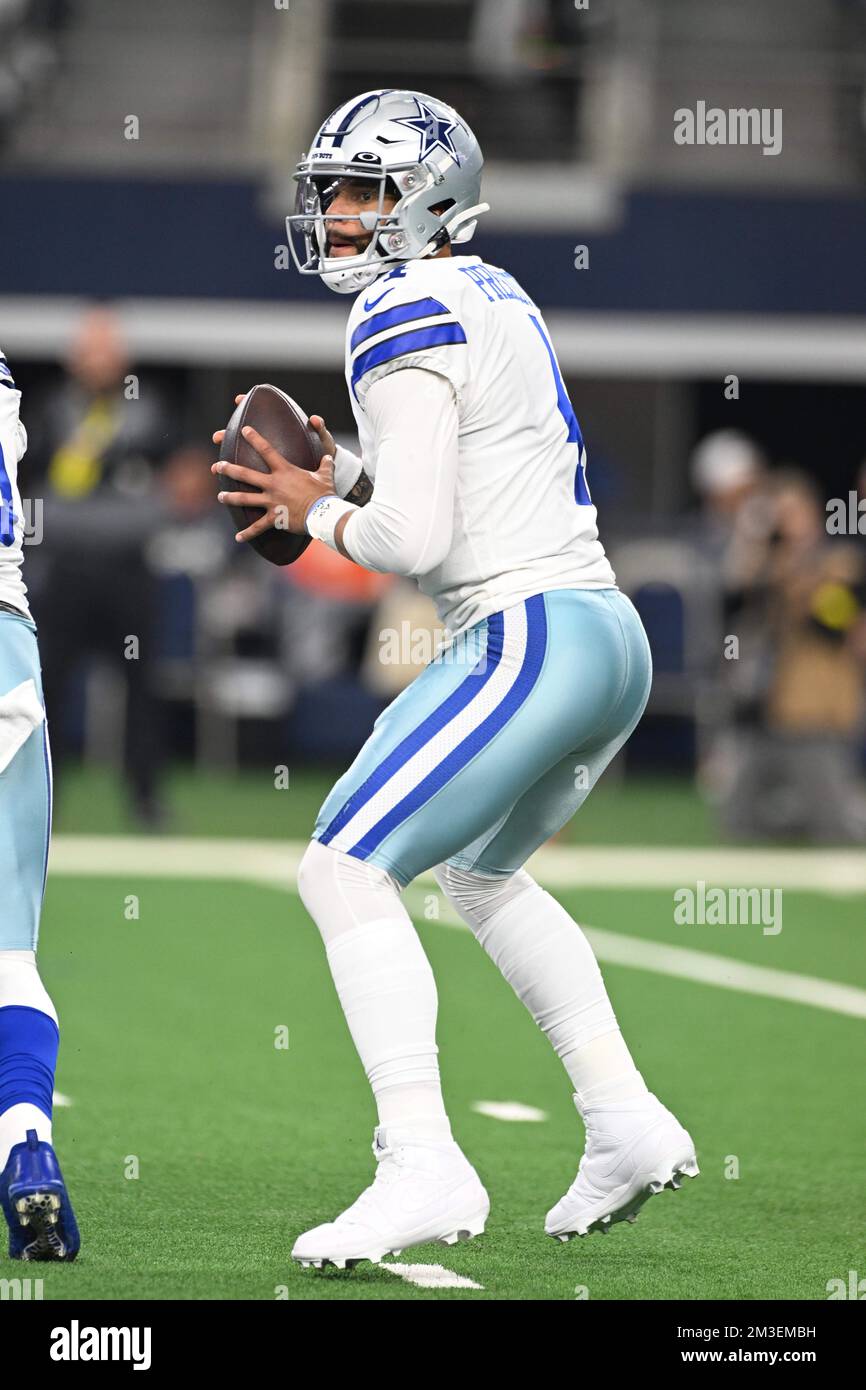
(323, 516)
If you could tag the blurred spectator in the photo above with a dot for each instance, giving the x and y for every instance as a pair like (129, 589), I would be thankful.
(728, 473)
(97, 430)
(791, 756)
(193, 535)
(95, 441)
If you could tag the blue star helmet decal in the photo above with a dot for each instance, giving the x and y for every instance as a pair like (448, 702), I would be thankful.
(434, 133)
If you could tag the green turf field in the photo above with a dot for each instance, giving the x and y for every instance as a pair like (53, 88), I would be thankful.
(169, 1062)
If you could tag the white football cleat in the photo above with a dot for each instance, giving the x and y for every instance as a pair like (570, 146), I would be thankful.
(424, 1189)
(634, 1149)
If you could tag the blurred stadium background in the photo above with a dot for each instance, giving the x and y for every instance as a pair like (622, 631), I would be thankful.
(715, 353)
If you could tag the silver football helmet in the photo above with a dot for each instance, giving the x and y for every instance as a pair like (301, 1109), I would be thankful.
(417, 149)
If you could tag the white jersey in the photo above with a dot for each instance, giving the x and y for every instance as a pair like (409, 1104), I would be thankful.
(13, 443)
(523, 520)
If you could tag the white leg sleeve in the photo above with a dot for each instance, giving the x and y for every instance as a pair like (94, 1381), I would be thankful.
(21, 984)
(383, 979)
(549, 964)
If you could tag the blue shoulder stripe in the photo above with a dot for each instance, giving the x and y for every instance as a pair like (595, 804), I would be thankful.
(391, 318)
(405, 343)
(7, 515)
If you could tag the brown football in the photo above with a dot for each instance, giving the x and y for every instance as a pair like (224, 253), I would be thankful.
(283, 424)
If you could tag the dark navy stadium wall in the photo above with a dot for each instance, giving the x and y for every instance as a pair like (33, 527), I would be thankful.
(674, 252)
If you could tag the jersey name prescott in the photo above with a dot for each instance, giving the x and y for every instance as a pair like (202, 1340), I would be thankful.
(13, 442)
(524, 521)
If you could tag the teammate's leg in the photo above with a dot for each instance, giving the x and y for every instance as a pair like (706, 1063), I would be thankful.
(32, 1192)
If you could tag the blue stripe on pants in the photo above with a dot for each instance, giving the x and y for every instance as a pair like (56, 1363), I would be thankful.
(477, 740)
(448, 710)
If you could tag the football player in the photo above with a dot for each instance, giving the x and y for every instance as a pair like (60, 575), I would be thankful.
(479, 490)
(32, 1191)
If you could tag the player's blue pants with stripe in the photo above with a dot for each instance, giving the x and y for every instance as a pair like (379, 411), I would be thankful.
(25, 797)
(499, 740)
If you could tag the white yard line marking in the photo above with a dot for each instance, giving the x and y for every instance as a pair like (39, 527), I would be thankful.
(60, 1099)
(431, 1276)
(726, 973)
(273, 864)
(270, 862)
(513, 1110)
(835, 871)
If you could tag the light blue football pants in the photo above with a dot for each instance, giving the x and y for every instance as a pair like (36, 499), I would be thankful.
(499, 740)
(25, 799)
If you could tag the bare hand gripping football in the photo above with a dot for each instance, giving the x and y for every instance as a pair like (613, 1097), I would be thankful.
(270, 435)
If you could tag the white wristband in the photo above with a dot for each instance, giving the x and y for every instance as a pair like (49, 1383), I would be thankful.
(323, 515)
(347, 470)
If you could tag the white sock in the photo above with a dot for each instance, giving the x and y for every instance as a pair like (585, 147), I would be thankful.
(384, 983)
(603, 1072)
(14, 1124)
(418, 1108)
(549, 963)
(21, 983)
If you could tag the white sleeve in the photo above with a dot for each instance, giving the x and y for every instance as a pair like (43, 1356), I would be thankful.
(347, 470)
(13, 437)
(406, 526)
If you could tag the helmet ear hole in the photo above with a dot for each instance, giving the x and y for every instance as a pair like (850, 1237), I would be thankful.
(439, 208)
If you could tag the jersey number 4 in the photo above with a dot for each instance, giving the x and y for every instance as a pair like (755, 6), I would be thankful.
(566, 410)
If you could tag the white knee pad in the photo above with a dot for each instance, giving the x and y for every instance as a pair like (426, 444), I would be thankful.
(477, 897)
(341, 892)
(20, 983)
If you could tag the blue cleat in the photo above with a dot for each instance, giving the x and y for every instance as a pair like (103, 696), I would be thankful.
(36, 1205)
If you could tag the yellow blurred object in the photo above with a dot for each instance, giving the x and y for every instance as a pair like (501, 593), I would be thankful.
(76, 467)
(835, 606)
